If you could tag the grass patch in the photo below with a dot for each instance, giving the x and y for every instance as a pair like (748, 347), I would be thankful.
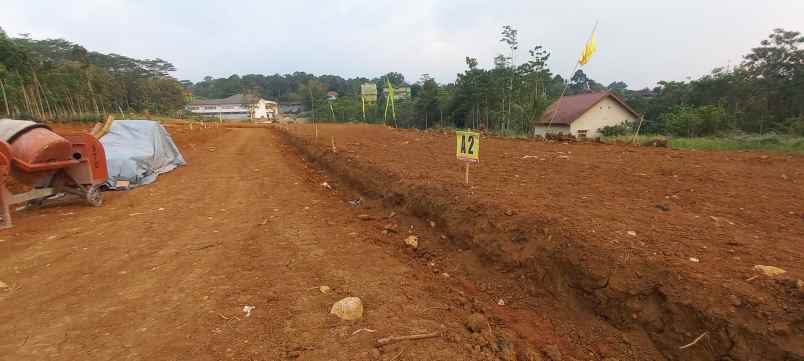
(767, 142)
(774, 143)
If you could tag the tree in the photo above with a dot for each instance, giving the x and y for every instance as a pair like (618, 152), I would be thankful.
(426, 106)
(618, 87)
(579, 81)
(54, 78)
(509, 36)
(313, 94)
(250, 96)
(777, 68)
(777, 57)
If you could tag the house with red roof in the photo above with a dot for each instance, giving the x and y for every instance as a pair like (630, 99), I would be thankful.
(583, 115)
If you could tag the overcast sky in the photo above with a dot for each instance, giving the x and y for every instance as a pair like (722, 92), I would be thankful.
(639, 41)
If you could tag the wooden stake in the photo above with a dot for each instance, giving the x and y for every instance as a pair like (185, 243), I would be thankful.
(467, 173)
(636, 134)
(333, 144)
(392, 339)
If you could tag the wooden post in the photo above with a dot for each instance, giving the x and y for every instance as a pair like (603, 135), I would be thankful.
(467, 173)
(636, 134)
(333, 144)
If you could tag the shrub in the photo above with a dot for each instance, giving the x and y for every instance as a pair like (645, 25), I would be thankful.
(695, 122)
(795, 126)
(615, 130)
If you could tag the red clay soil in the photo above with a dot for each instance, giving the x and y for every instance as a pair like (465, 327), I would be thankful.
(654, 242)
(163, 272)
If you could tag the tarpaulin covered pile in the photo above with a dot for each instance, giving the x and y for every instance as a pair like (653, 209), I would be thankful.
(137, 151)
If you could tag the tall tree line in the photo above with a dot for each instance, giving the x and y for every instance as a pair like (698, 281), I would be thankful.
(287, 87)
(56, 79)
(764, 93)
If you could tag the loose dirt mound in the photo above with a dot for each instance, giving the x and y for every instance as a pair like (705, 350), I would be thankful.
(663, 241)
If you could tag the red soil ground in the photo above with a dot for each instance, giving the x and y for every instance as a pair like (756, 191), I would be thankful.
(163, 272)
(662, 241)
(561, 248)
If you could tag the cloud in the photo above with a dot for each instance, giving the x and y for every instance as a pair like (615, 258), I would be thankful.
(640, 42)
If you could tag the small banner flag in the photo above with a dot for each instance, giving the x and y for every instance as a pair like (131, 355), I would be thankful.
(588, 50)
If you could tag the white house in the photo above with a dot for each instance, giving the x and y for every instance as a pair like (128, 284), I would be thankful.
(236, 106)
(583, 115)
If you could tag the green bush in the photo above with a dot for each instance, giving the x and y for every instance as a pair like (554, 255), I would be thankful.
(616, 130)
(688, 121)
(795, 126)
(623, 128)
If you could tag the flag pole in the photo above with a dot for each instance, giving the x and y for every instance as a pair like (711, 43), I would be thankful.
(566, 85)
(363, 99)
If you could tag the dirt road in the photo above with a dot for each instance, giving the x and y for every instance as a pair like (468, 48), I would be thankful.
(163, 272)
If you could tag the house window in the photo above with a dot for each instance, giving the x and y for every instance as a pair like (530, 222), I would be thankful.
(582, 133)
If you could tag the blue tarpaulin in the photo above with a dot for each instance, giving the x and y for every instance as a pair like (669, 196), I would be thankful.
(138, 151)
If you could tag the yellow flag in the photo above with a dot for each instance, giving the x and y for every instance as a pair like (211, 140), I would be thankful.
(588, 50)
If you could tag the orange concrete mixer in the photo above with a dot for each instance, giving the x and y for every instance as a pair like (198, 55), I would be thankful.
(55, 166)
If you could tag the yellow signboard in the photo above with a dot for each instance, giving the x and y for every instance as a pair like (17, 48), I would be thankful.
(468, 146)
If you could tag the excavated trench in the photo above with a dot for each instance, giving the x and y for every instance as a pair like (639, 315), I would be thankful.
(559, 262)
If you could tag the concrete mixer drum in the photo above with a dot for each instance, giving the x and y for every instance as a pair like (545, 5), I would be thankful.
(53, 165)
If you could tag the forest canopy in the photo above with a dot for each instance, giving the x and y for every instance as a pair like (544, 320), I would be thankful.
(56, 79)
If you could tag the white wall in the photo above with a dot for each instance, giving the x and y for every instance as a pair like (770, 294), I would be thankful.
(554, 129)
(262, 110)
(259, 110)
(228, 110)
(606, 112)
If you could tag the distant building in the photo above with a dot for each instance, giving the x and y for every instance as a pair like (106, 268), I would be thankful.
(236, 106)
(332, 95)
(583, 115)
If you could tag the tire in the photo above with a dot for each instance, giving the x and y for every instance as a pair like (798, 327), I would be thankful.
(34, 203)
(94, 196)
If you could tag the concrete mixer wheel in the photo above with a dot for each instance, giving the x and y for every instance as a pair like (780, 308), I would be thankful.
(94, 196)
(34, 203)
